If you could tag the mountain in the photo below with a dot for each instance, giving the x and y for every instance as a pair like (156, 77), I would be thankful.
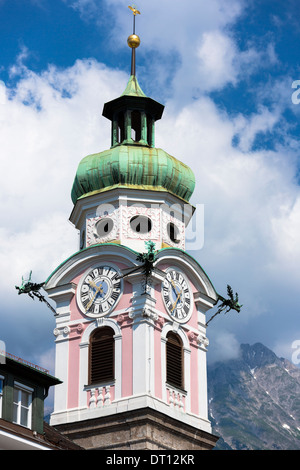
(254, 401)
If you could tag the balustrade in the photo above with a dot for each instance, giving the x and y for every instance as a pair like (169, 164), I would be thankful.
(99, 396)
(176, 398)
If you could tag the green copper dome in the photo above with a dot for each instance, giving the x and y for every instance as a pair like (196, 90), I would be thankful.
(133, 166)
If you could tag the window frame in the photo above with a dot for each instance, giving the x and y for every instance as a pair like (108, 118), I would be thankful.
(107, 379)
(175, 340)
(19, 387)
(141, 224)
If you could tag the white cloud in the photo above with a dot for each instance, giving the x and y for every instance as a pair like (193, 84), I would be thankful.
(87, 9)
(220, 62)
(225, 347)
(39, 247)
(285, 230)
(261, 122)
(216, 55)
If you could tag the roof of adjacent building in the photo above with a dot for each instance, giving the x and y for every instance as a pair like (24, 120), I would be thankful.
(10, 363)
(16, 437)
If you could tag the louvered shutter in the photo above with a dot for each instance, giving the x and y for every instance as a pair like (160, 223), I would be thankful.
(174, 359)
(102, 356)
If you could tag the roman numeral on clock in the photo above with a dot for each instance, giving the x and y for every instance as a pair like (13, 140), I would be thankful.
(115, 295)
(84, 298)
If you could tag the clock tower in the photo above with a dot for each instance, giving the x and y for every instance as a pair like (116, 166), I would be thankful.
(131, 303)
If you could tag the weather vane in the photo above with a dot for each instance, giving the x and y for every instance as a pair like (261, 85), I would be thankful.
(135, 12)
(133, 40)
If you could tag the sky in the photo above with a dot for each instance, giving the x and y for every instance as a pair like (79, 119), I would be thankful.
(228, 74)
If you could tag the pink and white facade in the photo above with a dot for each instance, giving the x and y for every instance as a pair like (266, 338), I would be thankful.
(139, 318)
(127, 341)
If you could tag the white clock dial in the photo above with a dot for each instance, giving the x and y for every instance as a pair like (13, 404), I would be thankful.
(99, 291)
(177, 296)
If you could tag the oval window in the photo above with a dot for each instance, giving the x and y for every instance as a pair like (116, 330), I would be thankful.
(141, 224)
(173, 233)
(104, 227)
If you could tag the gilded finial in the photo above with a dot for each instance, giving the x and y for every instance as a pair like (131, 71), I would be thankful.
(134, 10)
(133, 40)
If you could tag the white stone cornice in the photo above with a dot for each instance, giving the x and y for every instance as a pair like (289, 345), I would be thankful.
(127, 196)
(203, 302)
(62, 293)
(62, 296)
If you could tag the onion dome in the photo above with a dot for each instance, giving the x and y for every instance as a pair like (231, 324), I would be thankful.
(137, 167)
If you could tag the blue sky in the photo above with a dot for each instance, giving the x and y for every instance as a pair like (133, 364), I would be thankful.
(224, 71)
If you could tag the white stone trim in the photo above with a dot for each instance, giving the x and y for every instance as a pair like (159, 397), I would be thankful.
(131, 403)
(176, 328)
(202, 384)
(61, 372)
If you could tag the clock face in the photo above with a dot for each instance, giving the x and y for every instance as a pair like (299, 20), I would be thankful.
(177, 296)
(99, 290)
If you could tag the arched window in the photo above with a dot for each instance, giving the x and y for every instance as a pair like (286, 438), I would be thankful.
(136, 128)
(102, 356)
(121, 128)
(173, 232)
(174, 359)
(150, 131)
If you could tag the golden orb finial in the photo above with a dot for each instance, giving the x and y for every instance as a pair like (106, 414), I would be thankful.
(133, 41)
